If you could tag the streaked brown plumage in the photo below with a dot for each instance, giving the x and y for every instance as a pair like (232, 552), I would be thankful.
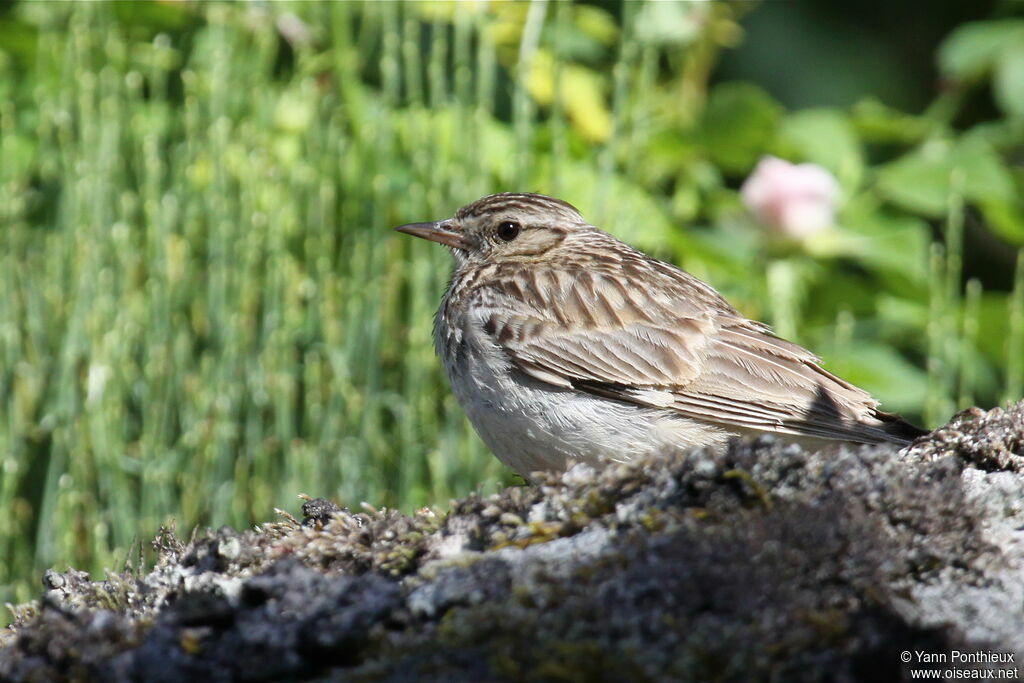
(549, 318)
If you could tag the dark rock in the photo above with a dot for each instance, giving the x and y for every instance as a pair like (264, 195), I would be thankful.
(992, 440)
(762, 562)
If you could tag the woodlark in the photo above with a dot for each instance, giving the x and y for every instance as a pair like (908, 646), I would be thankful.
(564, 344)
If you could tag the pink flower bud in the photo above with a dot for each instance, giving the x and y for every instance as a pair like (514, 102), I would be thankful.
(794, 200)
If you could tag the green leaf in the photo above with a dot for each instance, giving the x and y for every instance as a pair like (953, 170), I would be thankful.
(892, 243)
(1008, 81)
(294, 111)
(898, 384)
(596, 23)
(972, 50)
(614, 204)
(1006, 219)
(825, 137)
(666, 153)
(995, 323)
(154, 17)
(738, 125)
(580, 90)
(921, 180)
(584, 35)
(985, 175)
(584, 102)
(876, 122)
(18, 39)
(20, 154)
(723, 256)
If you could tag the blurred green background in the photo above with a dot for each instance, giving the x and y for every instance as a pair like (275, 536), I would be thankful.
(203, 310)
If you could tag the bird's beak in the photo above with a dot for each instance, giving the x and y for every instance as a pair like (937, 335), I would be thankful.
(441, 231)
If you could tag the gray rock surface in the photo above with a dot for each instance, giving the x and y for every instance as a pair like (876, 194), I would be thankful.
(763, 562)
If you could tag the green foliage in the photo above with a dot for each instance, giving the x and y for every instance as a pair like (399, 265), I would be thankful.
(203, 310)
(739, 122)
(975, 50)
(824, 137)
(922, 180)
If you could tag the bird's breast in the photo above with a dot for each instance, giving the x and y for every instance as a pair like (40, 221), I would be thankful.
(532, 425)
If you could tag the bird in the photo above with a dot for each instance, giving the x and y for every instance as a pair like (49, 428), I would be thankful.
(565, 345)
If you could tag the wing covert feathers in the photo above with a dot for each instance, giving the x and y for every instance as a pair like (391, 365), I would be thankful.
(674, 344)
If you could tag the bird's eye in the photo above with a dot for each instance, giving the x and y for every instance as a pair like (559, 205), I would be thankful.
(508, 230)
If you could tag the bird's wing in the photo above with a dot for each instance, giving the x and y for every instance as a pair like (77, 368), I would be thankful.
(708, 363)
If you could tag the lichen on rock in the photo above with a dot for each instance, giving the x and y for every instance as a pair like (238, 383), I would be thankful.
(763, 561)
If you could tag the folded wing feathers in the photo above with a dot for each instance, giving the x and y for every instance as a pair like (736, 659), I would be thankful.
(709, 365)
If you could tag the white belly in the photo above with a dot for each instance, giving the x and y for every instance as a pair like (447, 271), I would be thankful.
(531, 425)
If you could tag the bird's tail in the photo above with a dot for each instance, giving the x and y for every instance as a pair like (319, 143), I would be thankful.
(897, 429)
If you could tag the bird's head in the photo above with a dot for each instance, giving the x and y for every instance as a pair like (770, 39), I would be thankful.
(510, 226)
